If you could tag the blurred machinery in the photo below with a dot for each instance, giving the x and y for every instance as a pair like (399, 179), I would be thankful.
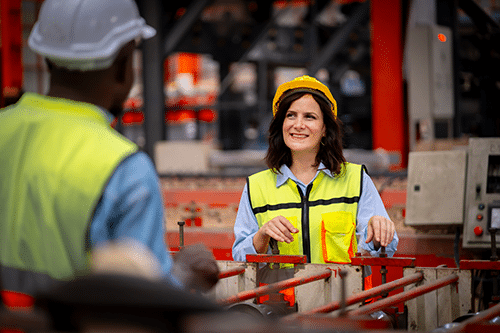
(457, 188)
(458, 191)
(247, 47)
(430, 83)
(326, 298)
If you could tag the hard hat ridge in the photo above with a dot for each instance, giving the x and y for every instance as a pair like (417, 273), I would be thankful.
(307, 84)
(86, 34)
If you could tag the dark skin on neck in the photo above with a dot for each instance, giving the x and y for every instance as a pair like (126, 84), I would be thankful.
(107, 88)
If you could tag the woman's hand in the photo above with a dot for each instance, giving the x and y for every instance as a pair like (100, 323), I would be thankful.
(278, 228)
(380, 231)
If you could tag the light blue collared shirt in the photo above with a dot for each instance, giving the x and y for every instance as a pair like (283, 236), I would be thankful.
(370, 204)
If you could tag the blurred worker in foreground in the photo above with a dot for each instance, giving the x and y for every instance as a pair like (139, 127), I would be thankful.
(310, 200)
(69, 182)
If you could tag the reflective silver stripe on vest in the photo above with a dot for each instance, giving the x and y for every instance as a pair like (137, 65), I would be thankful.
(25, 282)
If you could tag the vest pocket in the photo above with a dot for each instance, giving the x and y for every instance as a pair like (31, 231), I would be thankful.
(337, 237)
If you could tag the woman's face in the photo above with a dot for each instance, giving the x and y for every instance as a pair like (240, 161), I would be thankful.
(303, 127)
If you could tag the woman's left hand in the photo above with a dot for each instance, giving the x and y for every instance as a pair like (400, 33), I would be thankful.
(380, 231)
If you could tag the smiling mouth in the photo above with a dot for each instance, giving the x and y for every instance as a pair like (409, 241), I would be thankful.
(300, 136)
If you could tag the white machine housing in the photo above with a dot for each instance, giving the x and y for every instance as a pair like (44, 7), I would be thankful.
(457, 188)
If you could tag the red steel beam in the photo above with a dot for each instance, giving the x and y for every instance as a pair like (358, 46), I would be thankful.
(231, 272)
(377, 261)
(274, 287)
(366, 294)
(480, 264)
(388, 114)
(404, 296)
(283, 259)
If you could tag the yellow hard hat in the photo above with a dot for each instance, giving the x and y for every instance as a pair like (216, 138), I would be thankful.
(304, 83)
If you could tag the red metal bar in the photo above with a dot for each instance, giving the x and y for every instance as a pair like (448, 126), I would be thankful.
(364, 295)
(482, 327)
(483, 316)
(274, 287)
(231, 272)
(480, 264)
(404, 296)
(283, 259)
(377, 261)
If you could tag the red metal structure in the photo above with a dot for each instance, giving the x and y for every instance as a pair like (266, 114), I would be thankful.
(471, 324)
(11, 49)
(388, 114)
(274, 287)
(404, 296)
(364, 295)
(231, 272)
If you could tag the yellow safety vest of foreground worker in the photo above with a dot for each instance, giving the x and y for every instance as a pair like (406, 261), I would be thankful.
(56, 157)
(325, 215)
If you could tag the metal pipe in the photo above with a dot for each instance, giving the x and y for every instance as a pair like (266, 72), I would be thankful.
(404, 296)
(336, 43)
(274, 287)
(343, 275)
(383, 269)
(181, 27)
(231, 272)
(483, 316)
(181, 234)
(366, 294)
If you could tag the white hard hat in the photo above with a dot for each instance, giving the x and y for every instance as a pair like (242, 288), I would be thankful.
(86, 34)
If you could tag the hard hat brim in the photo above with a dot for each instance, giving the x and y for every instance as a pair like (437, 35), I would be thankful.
(307, 84)
(91, 56)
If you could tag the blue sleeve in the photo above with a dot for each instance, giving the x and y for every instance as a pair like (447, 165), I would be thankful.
(370, 204)
(131, 206)
(245, 227)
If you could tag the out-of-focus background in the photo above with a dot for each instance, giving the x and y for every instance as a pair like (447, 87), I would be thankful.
(409, 77)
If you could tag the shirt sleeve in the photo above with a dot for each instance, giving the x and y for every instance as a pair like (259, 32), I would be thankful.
(245, 227)
(370, 204)
(131, 207)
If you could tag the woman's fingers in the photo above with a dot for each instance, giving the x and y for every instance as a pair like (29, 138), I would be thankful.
(380, 230)
(280, 229)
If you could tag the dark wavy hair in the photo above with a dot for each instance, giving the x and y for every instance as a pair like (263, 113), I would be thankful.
(330, 150)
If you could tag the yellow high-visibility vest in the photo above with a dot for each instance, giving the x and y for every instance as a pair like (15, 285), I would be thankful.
(325, 215)
(56, 157)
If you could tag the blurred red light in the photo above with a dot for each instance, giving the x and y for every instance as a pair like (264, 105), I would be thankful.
(442, 37)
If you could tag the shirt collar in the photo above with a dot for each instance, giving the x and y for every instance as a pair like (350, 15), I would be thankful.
(286, 173)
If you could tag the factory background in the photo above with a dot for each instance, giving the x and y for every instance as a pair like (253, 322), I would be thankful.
(404, 73)
(408, 76)
(411, 78)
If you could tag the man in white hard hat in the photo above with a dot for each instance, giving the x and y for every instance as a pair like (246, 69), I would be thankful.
(69, 182)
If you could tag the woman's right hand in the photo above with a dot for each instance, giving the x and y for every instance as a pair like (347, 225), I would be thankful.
(278, 228)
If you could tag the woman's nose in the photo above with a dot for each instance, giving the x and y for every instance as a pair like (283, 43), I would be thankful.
(299, 122)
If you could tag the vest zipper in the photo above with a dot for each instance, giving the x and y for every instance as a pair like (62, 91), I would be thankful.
(306, 242)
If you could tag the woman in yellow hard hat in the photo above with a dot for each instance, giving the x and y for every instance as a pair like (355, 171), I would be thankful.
(310, 200)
